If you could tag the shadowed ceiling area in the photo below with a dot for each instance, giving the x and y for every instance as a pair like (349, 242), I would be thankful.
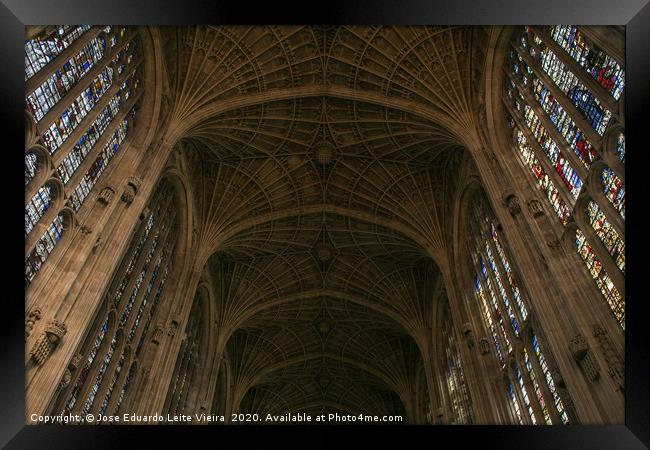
(323, 200)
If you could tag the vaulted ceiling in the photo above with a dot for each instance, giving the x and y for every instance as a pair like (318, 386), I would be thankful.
(323, 198)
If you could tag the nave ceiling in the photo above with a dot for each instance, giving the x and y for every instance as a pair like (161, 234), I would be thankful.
(323, 199)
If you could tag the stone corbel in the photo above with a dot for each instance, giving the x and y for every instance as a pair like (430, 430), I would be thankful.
(30, 321)
(97, 244)
(47, 342)
(131, 189)
(72, 367)
(171, 329)
(157, 334)
(512, 203)
(105, 196)
(484, 346)
(615, 366)
(467, 332)
(536, 209)
(582, 354)
(85, 230)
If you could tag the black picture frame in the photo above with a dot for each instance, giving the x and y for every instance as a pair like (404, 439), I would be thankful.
(634, 14)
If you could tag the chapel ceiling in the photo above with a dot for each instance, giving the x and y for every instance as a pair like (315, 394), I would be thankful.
(322, 206)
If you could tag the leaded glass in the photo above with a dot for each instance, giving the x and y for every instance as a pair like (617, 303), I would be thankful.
(614, 190)
(607, 234)
(600, 276)
(602, 67)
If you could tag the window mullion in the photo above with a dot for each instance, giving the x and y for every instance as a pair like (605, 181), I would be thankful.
(149, 277)
(101, 143)
(540, 377)
(87, 121)
(591, 84)
(566, 151)
(57, 63)
(542, 157)
(498, 331)
(561, 97)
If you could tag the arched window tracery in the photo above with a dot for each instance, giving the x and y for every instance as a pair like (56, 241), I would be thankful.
(187, 362)
(82, 95)
(41, 50)
(506, 317)
(460, 399)
(549, 102)
(114, 345)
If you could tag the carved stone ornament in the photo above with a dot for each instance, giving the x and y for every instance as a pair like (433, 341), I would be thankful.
(132, 186)
(173, 326)
(85, 230)
(583, 356)
(484, 346)
(72, 366)
(324, 153)
(324, 252)
(129, 194)
(535, 208)
(105, 196)
(97, 243)
(157, 335)
(31, 319)
(47, 342)
(469, 336)
(579, 347)
(512, 202)
(615, 366)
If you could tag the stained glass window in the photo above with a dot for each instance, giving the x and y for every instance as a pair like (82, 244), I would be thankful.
(43, 248)
(103, 329)
(97, 168)
(187, 361)
(552, 85)
(564, 124)
(31, 167)
(133, 295)
(587, 103)
(543, 181)
(62, 80)
(620, 147)
(607, 234)
(125, 387)
(600, 276)
(559, 406)
(614, 190)
(602, 67)
(40, 51)
(537, 390)
(562, 166)
(487, 316)
(524, 394)
(72, 116)
(78, 90)
(456, 387)
(36, 207)
(515, 404)
(503, 308)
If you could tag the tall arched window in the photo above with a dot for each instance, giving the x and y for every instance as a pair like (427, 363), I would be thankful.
(561, 93)
(186, 363)
(113, 346)
(506, 317)
(461, 403)
(81, 94)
